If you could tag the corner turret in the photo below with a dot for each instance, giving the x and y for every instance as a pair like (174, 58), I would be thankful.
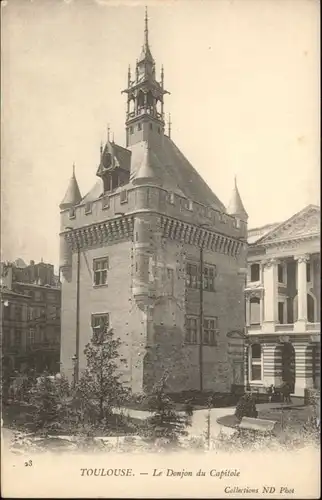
(73, 195)
(236, 207)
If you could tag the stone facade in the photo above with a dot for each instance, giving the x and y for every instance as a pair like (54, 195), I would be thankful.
(157, 228)
(282, 303)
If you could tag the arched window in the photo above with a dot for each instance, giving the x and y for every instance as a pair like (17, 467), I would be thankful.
(255, 362)
(255, 318)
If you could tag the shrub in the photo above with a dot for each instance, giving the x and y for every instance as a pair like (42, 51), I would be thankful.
(246, 407)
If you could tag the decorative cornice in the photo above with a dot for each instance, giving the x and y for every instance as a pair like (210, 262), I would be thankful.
(99, 233)
(198, 236)
(254, 293)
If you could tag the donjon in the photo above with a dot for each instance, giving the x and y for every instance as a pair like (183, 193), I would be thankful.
(152, 252)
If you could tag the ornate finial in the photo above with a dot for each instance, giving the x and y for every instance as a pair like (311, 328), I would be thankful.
(113, 137)
(108, 132)
(129, 76)
(146, 28)
(169, 126)
(74, 167)
(235, 180)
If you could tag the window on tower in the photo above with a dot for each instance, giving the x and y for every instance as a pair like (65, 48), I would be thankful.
(100, 268)
(100, 325)
(192, 324)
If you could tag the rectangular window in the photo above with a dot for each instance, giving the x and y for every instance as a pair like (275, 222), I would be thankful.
(123, 196)
(281, 318)
(71, 213)
(210, 331)
(30, 336)
(192, 276)
(30, 313)
(131, 130)
(100, 268)
(281, 274)
(100, 325)
(139, 126)
(254, 272)
(88, 208)
(18, 312)
(209, 278)
(255, 362)
(308, 272)
(191, 330)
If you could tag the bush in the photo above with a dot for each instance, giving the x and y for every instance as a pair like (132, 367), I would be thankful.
(246, 407)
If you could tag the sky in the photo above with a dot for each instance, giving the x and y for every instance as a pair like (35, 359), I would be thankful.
(244, 83)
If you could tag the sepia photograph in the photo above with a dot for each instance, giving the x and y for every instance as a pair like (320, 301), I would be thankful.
(160, 249)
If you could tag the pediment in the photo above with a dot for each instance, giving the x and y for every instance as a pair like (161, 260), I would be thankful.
(301, 225)
(236, 334)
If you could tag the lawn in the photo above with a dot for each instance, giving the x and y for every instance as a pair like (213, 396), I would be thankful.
(295, 416)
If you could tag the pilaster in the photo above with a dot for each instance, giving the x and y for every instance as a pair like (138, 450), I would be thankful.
(270, 299)
(300, 324)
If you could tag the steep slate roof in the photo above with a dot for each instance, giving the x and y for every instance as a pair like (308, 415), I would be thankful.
(174, 172)
(165, 165)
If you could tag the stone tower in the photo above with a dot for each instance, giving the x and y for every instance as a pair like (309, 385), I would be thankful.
(158, 257)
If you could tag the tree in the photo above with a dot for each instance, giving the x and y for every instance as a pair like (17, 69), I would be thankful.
(246, 407)
(50, 398)
(100, 389)
(166, 425)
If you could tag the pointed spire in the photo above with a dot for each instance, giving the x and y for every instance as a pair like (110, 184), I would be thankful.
(73, 195)
(146, 53)
(236, 206)
(108, 132)
(129, 76)
(146, 29)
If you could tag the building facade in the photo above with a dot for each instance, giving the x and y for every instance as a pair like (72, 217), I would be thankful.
(283, 303)
(30, 314)
(153, 253)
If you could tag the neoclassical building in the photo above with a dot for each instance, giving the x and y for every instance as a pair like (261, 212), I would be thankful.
(153, 253)
(283, 303)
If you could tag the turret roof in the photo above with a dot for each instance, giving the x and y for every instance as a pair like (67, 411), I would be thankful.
(236, 206)
(73, 195)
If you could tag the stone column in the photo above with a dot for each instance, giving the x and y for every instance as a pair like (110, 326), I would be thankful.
(303, 380)
(270, 298)
(301, 293)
